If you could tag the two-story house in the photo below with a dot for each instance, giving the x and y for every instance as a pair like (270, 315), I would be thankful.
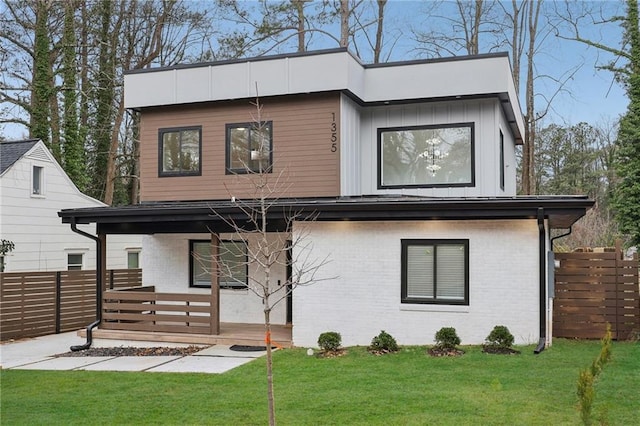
(409, 168)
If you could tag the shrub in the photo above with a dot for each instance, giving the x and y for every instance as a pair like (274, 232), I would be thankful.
(500, 337)
(447, 338)
(384, 342)
(330, 341)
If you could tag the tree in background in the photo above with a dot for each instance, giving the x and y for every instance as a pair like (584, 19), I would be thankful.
(626, 199)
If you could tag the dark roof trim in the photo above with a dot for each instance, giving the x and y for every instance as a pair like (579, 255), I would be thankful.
(316, 53)
(203, 216)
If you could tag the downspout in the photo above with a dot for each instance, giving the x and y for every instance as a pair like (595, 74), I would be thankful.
(542, 255)
(99, 274)
(560, 236)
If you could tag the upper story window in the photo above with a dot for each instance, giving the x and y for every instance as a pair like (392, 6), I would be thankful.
(180, 150)
(426, 156)
(435, 271)
(37, 181)
(249, 147)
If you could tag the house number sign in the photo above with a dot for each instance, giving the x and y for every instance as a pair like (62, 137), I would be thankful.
(334, 133)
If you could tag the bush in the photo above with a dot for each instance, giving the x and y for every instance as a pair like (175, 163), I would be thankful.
(383, 342)
(500, 337)
(330, 341)
(447, 338)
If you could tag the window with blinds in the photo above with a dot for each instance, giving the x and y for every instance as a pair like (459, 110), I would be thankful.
(435, 271)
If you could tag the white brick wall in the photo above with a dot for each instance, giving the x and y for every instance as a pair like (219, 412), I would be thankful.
(365, 298)
(165, 264)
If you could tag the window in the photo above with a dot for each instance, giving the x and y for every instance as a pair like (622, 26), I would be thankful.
(233, 260)
(37, 181)
(74, 261)
(180, 150)
(435, 271)
(133, 259)
(249, 147)
(501, 161)
(426, 156)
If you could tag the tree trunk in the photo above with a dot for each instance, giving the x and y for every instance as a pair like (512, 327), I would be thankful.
(42, 77)
(379, 31)
(299, 5)
(344, 23)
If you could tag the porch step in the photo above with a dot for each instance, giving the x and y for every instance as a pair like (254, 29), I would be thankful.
(230, 334)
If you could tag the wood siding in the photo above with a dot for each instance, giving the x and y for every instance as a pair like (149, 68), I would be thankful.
(301, 148)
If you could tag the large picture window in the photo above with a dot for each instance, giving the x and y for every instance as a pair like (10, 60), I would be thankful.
(435, 271)
(249, 147)
(233, 264)
(426, 156)
(180, 150)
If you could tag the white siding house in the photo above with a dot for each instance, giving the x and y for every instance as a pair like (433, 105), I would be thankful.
(33, 189)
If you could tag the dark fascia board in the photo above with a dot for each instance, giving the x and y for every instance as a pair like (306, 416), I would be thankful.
(561, 212)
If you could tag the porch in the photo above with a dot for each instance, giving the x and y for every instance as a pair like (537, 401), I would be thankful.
(141, 313)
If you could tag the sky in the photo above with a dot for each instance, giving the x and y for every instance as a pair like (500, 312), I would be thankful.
(588, 95)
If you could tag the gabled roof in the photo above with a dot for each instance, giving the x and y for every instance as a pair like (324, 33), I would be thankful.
(12, 151)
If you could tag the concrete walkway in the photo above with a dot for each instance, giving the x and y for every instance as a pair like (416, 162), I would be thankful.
(40, 354)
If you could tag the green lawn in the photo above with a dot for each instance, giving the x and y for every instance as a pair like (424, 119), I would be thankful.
(404, 388)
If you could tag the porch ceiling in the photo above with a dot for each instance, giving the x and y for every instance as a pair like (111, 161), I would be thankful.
(217, 216)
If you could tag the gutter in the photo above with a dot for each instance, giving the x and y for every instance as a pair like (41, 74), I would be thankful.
(542, 273)
(99, 275)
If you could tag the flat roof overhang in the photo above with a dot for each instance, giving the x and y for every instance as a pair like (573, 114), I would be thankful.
(221, 215)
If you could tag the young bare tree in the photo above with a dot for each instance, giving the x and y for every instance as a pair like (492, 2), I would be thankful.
(258, 249)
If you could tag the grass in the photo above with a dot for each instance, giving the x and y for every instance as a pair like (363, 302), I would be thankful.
(406, 388)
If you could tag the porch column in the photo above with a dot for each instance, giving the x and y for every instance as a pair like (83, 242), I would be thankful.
(215, 286)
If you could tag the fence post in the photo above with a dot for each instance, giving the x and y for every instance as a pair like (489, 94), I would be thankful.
(617, 272)
(58, 300)
(111, 279)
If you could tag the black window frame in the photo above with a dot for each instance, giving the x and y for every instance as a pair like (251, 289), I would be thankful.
(470, 125)
(251, 126)
(161, 133)
(502, 165)
(405, 243)
(222, 286)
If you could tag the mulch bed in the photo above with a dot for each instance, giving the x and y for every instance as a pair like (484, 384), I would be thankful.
(332, 354)
(439, 352)
(131, 351)
(499, 351)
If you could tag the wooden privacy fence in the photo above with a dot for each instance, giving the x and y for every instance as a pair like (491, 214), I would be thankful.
(39, 303)
(142, 309)
(593, 289)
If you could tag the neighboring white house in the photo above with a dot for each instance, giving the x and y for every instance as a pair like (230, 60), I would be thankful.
(33, 188)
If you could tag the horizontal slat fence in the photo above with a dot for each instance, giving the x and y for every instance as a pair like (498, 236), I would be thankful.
(40, 303)
(593, 290)
(144, 310)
